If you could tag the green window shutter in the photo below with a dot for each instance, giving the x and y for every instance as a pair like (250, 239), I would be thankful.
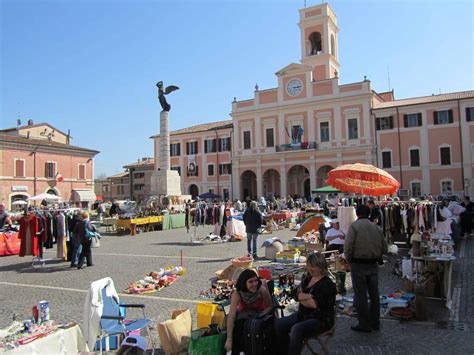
(450, 116)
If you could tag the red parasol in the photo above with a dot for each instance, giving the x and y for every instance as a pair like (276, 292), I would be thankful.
(363, 179)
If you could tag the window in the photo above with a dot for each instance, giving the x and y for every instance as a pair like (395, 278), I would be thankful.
(225, 169)
(19, 168)
(324, 131)
(210, 146)
(443, 117)
(270, 137)
(386, 160)
(296, 134)
(105, 188)
(445, 153)
(138, 175)
(412, 120)
(175, 149)
(469, 114)
(211, 191)
(416, 189)
(191, 148)
(446, 187)
(195, 172)
(384, 123)
(226, 194)
(49, 170)
(414, 157)
(247, 143)
(352, 124)
(177, 168)
(82, 172)
(139, 187)
(210, 170)
(224, 144)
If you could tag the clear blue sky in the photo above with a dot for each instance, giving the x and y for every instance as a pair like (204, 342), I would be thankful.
(91, 65)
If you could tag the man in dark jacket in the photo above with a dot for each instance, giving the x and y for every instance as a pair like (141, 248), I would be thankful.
(253, 221)
(363, 249)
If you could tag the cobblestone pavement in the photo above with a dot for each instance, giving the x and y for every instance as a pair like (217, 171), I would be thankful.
(125, 258)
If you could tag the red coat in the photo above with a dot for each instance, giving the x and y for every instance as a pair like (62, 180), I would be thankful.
(32, 238)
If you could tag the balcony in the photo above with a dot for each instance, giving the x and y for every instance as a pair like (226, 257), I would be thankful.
(296, 146)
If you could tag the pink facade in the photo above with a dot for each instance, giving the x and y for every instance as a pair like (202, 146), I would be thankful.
(286, 139)
(31, 166)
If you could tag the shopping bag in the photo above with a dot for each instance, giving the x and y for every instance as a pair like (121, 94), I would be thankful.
(95, 242)
(175, 333)
(212, 344)
(205, 311)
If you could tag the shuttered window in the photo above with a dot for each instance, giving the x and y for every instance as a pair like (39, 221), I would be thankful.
(82, 172)
(191, 148)
(19, 168)
(324, 131)
(49, 170)
(210, 146)
(383, 123)
(224, 144)
(443, 117)
(412, 120)
(175, 149)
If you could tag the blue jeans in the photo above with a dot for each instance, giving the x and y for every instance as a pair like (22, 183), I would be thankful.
(75, 254)
(252, 242)
(290, 333)
(365, 280)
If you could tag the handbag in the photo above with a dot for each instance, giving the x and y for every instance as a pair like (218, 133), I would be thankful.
(95, 241)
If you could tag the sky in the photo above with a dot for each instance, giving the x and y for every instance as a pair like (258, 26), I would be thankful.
(91, 66)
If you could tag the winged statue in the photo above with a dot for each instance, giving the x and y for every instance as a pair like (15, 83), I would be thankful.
(161, 95)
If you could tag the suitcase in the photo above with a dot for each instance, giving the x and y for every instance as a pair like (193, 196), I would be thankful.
(258, 335)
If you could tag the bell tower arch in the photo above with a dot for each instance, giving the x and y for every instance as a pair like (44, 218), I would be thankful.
(319, 48)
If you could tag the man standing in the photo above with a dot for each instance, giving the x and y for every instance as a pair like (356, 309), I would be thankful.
(253, 221)
(363, 249)
(375, 213)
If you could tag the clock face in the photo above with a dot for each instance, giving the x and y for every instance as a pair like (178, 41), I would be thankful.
(294, 87)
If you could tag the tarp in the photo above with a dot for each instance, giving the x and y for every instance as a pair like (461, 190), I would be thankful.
(83, 195)
(312, 223)
(172, 221)
(326, 189)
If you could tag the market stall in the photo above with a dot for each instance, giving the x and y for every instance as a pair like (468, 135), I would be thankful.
(47, 338)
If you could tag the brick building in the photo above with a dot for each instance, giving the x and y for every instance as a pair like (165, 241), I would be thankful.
(39, 158)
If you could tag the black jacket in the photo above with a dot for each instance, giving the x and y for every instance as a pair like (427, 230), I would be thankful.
(252, 220)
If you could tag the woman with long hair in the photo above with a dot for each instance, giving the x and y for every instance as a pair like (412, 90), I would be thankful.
(249, 299)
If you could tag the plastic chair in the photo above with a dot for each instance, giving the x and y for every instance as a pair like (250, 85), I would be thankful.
(322, 338)
(113, 322)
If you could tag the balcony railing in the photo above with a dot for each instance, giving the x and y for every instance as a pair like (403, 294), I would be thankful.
(296, 146)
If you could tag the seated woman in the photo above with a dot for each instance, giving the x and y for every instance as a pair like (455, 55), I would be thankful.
(317, 297)
(248, 300)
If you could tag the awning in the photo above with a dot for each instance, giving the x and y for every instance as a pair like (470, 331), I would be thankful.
(83, 195)
(99, 198)
(326, 189)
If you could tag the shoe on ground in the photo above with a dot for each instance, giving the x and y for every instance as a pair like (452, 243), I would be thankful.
(255, 256)
(375, 327)
(358, 328)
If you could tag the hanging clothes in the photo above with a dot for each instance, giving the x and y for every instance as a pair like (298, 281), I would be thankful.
(28, 236)
(61, 248)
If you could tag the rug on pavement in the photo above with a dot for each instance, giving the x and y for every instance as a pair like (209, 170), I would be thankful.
(156, 280)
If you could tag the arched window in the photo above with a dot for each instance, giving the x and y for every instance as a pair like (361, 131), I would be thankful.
(333, 46)
(316, 44)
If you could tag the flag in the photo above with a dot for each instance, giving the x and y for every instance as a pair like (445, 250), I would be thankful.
(59, 177)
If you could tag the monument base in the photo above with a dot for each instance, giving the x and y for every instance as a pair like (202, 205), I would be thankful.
(166, 182)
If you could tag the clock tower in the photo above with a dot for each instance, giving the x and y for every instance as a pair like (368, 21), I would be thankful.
(319, 49)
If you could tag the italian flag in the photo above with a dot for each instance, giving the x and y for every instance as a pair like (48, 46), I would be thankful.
(59, 177)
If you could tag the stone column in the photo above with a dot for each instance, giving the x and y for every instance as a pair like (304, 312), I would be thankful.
(165, 160)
